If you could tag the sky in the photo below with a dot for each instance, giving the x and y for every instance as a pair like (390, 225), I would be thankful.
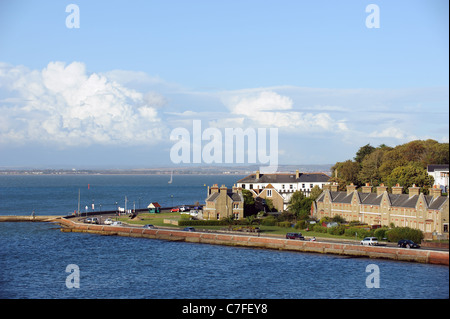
(106, 84)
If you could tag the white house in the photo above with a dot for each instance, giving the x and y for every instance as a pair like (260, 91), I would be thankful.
(440, 174)
(284, 183)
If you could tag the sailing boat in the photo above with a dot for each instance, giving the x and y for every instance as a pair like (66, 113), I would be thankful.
(171, 175)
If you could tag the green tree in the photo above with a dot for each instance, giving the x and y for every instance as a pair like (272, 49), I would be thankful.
(300, 205)
(347, 171)
(363, 152)
(315, 192)
(410, 174)
(370, 167)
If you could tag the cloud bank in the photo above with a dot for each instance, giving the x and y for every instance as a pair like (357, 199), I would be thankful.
(64, 105)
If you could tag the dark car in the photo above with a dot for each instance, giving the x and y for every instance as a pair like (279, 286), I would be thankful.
(406, 243)
(189, 229)
(298, 236)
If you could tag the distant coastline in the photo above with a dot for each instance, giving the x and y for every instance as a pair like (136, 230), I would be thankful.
(204, 170)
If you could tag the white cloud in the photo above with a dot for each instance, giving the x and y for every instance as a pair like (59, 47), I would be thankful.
(65, 105)
(270, 109)
(393, 132)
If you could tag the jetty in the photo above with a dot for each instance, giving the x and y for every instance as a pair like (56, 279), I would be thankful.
(30, 218)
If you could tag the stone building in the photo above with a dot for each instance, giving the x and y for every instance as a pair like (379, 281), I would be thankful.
(223, 202)
(428, 213)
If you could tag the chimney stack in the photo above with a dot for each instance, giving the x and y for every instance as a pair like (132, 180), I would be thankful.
(351, 188)
(214, 189)
(223, 189)
(381, 189)
(397, 189)
(257, 174)
(297, 174)
(414, 190)
(326, 187)
(436, 191)
(367, 188)
(334, 187)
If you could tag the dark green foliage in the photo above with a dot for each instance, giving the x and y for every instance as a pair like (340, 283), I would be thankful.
(397, 233)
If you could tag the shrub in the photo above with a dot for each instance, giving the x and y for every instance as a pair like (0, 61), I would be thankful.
(269, 221)
(301, 224)
(284, 224)
(320, 229)
(380, 233)
(359, 232)
(397, 233)
(336, 230)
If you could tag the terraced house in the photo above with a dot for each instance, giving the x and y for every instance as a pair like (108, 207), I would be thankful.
(429, 213)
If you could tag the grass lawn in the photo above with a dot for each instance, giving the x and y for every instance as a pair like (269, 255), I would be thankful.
(158, 220)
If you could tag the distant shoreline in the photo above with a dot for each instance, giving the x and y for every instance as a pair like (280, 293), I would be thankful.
(207, 170)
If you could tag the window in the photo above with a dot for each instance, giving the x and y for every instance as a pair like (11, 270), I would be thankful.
(282, 186)
(445, 228)
(291, 186)
(303, 186)
(243, 186)
(251, 186)
(311, 185)
(218, 216)
(269, 193)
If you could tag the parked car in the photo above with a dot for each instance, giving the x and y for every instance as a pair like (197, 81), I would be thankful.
(149, 226)
(95, 220)
(175, 210)
(370, 241)
(298, 236)
(88, 220)
(406, 243)
(108, 221)
(117, 223)
(189, 229)
(184, 208)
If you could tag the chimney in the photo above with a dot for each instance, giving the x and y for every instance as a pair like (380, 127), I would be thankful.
(297, 174)
(334, 187)
(223, 189)
(214, 189)
(414, 190)
(351, 188)
(257, 174)
(436, 191)
(367, 188)
(397, 189)
(326, 187)
(235, 189)
(381, 189)
(209, 192)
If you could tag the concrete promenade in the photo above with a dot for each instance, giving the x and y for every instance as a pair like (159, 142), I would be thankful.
(392, 253)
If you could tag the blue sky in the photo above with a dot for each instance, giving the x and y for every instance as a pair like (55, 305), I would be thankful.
(109, 93)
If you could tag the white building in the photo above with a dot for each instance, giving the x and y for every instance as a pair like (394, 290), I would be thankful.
(284, 183)
(440, 174)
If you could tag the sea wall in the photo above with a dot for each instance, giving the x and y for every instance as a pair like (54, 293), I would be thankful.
(13, 218)
(399, 254)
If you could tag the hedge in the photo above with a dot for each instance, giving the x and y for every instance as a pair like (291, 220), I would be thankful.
(397, 233)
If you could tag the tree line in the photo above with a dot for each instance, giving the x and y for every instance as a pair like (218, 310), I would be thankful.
(405, 164)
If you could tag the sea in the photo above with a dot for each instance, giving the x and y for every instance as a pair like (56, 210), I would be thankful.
(38, 261)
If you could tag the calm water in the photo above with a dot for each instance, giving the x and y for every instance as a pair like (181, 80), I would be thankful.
(34, 256)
